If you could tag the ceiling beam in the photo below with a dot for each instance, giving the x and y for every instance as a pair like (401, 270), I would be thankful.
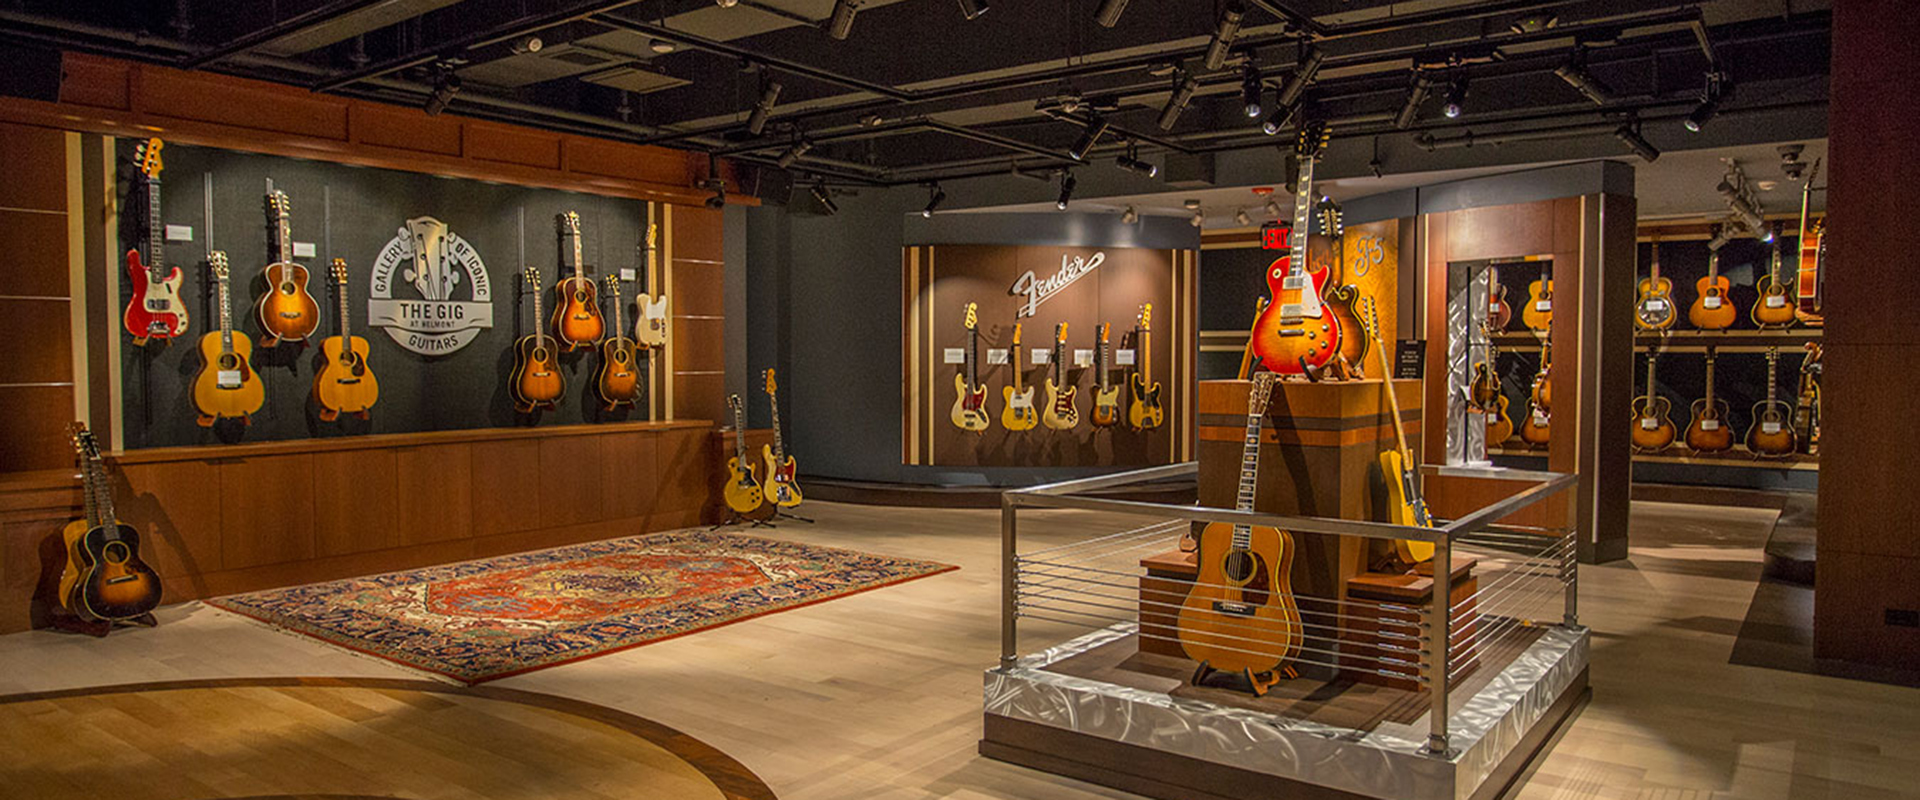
(746, 54)
(278, 30)
(503, 31)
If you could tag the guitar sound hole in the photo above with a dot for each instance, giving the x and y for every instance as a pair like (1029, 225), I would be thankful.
(1244, 568)
(229, 362)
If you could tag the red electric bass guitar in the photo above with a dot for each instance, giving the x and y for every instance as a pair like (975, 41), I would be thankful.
(155, 312)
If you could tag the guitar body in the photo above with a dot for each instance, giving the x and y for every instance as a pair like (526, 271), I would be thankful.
(1241, 614)
(1712, 291)
(1019, 413)
(1653, 306)
(1145, 411)
(743, 493)
(1106, 406)
(618, 380)
(70, 574)
(1709, 432)
(1535, 429)
(1062, 413)
(1499, 424)
(1499, 311)
(216, 401)
(1538, 314)
(1485, 387)
(1543, 390)
(1652, 429)
(1405, 506)
(576, 313)
(1774, 308)
(112, 583)
(536, 381)
(1291, 345)
(1782, 441)
(345, 385)
(287, 312)
(1342, 300)
(155, 312)
(969, 406)
(650, 326)
(782, 488)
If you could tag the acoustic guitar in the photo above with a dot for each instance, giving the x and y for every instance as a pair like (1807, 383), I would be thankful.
(576, 304)
(1538, 312)
(618, 380)
(782, 486)
(1770, 435)
(1773, 308)
(1652, 427)
(1144, 410)
(156, 311)
(1708, 432)
(1485, 387)
(1297, 334)
(1405, 504)
(1542, 393)
(1536, 428)
(743, 493)
(1807, 284)
(650, 313)
(1106, 396)
(1499, 422)
(536, 382)
(1653, 298)
(344, 384)
(226, 386)
(1019, 413)
(1712, 308)
(970, 396)
(286, 311)
(1499, 311)
(104, 578)
(1241, 615)
(1342, 298)
(1063, 412)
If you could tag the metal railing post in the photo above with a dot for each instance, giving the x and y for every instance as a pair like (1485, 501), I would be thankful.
(1009, 585)
(1572, 559)
(1440, 640)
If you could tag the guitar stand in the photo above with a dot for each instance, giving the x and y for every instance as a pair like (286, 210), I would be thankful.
(1257, 682)
(98, 628)
(734, 518)
(780, 515)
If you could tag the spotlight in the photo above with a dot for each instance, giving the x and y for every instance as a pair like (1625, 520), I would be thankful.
(1765, 234)
(1273, 207)
(1634, 142)
(1109, 13)
(825, 198)
(1297, 83)
(757, 121)
(1722, 234)
(1129, 216)
(935, 196)
(1223, 36)
(1575, 74)
(972, 9)
(1250, 89)
(1198, 219)
(1710, 97)
(719, 197)
(1456, 98)
(1281, 117)
(871, 120)
(1066, 190)
(793, 153)
(662, 46)
(1095, 127)
(1133, 163)
(1183, 89)
(444, 88)
(1416, 94)
(527, 44)
(841, 23)
(726, 3)
(1241, 216)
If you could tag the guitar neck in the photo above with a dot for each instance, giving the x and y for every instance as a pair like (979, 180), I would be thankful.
(779, 446)
(1249, 466)
(739, 432)
(1302, 205)
(1146, 353)
(618, 327)
(226, 316)
(156, 233)
(1059, 352)
(1773, 364)
(346, 319)
(283, 239)
(1652, 357)
(1654, 271)
(973, 354)
(1709, 383)
(1013, 358)
(539, 327)
(578, 263)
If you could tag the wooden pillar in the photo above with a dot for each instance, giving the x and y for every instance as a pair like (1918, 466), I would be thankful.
(37, 312)
(696, 356)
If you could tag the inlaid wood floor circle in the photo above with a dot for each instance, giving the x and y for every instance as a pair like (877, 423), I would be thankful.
(347, 738)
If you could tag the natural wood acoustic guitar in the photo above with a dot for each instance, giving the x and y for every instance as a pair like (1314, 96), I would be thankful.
(1499, 311)
(104, 578)
(1712, 308)
(1709, 432)
(1653, 298)
(1063, 411)
(1773, 309)
(576, 304)
(618, 379)
(1297, 334)
(285, 310)
(783, 487)
(344, 384)
(156, 310)
(536, 382)
(1538, 312)
(1405, 503)
(1144, 410)
(743, 493)
(1106, 395)
(970, 396)
(1808, 283)
(1653, 429)
(1018, 414)
(1771, 434)
(226, 387)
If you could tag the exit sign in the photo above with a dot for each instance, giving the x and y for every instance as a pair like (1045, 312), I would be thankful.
(1273, 236)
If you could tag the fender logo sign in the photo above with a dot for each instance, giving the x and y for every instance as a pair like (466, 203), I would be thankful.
(1037, 291)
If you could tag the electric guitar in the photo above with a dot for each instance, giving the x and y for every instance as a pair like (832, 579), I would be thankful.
(576, 304)
(1813, 259)
(650, 313)
(1770, 435)
(1708, 432)
(970, 400)
(743, 493)
(1712, 309)
(286, 312)
(156, 311)
(1062, 413)
(536, 382)
(1241, 615)
(1145, 411)
(226, 385)
(1772, 309)
(1405, 504)
(344, 383)
(104, 578)
(1019, 413)
(1297, 334)
(1538, 313)
(1806, 404)
(1106, 396)
(618, 381)
(1342, 298)
(1499, 311)
(1652, 427)
(781, 485)
(1653, 300)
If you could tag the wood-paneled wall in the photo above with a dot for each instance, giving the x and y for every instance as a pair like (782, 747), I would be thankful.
(37, 382)
(695, 284)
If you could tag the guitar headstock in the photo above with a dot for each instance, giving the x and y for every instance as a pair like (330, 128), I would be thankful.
(339, 270)
(1773, 358)
(1103, 332)
(653, 235)
(1016, 336)
(1313, 137)
(217, 260)
(1262, 392)
(973, 316)
(147, 154)
(1060, 333)
(85, 447)
(570, 223)
(533, 278)
(771, 385)
(733, 402)
(1330, 218)
(278, 206)
(1146, 317)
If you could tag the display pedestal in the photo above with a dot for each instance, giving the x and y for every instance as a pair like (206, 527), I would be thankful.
(1361, 631)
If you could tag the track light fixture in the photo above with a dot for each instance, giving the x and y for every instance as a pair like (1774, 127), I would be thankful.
(1250, 89)
(1722, 234)
(1066, 189)
(1717, 88)
(1273, 207)
(1241, 216)
(1096, 125)
(793, 153)
(1574, 72)
(726, 3)
(1417, 92)
(1109, 13)
(1183, 89)
(1281, 117)
(1223, 36)
(1198, 219)
(1129, 216)
(1131, 162)
(1627, 134)
(825, 198)
(1296, 84)
(841, 22)
(719, 197)
(757, 120)
(661, 46)
(935, 196)
(445, 86)
(1456, 97)
(972, 9)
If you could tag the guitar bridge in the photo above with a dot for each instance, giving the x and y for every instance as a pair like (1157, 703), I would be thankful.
(289, 315)
(1232, 608)
(122, 579)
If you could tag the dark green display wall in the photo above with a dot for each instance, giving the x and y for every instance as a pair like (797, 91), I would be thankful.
(351, 213)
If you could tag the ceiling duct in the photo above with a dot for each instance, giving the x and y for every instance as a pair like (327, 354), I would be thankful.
(346, 26)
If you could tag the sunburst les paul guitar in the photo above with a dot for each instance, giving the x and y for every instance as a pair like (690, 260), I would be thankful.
(1653, 429)
(344, 384)
(1241, 615)
(536, 382)
(783, 485)
(1063, 411)
(1771, 435)
(743, 492)
(1297, 333)
(156, 311)
(1018, 414)
(286, 311)
(1144, 410)
(576, 304)
(226, 386)
(1106, 396)
(1708, 432)
(970, 397)
(104, 578)
(618, 380)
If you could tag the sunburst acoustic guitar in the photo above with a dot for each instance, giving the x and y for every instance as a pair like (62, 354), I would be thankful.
(1709, 432)
(1770, 435)
(344, 384)
(1712, 308)
(1653, 429)
(536, 382)
(156, 310)
(1342, 298)
(1653, 298)
(576, 304)
(1774, 307)
(618, 379)
(104, 578)
(286, 311)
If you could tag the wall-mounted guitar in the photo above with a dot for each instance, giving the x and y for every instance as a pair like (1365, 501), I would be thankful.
(1144, 410)
(226, 385)
(104, 579)
(1770, 435)
(650, 313)
(1542, 393)
(1018, 414)
(1653, 298)
(1773, 308)
(1297, 335)
(1241, 615)
(1343, 298)
(576, 304)
(1709, 432)
(743, 493)
(1538, 313)
(618, 380)
(286, 311)
(970, 396)
(536, 382)
(782, 487)
(1484, 389)
(1499, 311)
(1063, 412)
(1106, 396)
(1808, 282)
(1806, 403)
(1405, 504)
(156, 311)
(1712, 309)
(1536, 428)
(1652, 424)
(344, 384)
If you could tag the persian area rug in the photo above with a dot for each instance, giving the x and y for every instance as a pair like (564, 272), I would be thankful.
(482, 620)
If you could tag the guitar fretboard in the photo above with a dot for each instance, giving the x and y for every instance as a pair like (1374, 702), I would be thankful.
(1249, 474)
(156, 233)
(226, 315)
(779, 448)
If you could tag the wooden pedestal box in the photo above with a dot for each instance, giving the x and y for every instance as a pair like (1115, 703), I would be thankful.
(1162, 590)
(1360, 636)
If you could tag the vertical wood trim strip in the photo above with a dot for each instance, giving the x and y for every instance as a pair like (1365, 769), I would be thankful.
(110, 204)
(654, 379)
(666, 288)
(81, 335)
(931, 296)
(912, 383)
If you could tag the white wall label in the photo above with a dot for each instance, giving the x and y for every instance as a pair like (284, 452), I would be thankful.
(304, 250)
(997, 355)
(227, 378)
(627, 274)
(1709, 424)
(1656, 305)
(1710, 301)
(1041, 355)
(956, 355)
(1123, 357)
(1544, 305)
(1541, 419)
(1769, 427)
(179, 233)
(1776, 301)
(1083, 358)
(1649, 424)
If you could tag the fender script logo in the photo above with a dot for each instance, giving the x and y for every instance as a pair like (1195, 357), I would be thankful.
(1037, 291)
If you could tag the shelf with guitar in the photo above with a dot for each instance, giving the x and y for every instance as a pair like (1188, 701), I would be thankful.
(1135, 400)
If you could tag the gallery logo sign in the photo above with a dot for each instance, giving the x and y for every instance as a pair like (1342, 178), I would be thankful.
(440, 266)
(1037, 291)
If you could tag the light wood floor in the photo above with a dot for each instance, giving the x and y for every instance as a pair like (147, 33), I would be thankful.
(878, 694)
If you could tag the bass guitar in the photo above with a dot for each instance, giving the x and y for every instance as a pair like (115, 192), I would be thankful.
(1106, 396)
(1342, 298)
(576, 304)
(782, 487)
(1241, 615)
(1296, 334)
(1652, 428)
(1538, 313)
(1019, 413)
(156, 311)
(536, 382)
(1062, 413)
(1499, 311)
(344, 384)
(1813, 258)
(1405, 504)
(1653, 298)
(970, 400)
(286, 312)
(618, 380)
(1708, 431)
(1772, 309)
(226, 385)
(742, 493)
(104, 579)
(1712, 309)
(1806, 404)
(1770, 435)
(1145, 411)
(650, 313)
